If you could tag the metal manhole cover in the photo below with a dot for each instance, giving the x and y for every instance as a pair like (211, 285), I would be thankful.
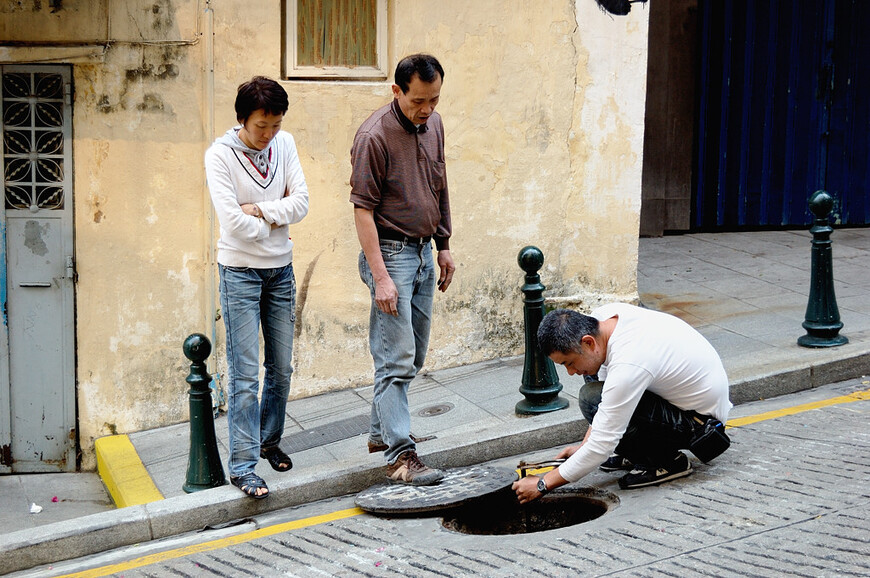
(434, 410)
(458, 486)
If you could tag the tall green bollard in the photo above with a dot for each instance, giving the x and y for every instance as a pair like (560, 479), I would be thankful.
(204, 468)
(540, 385)
(823, 317)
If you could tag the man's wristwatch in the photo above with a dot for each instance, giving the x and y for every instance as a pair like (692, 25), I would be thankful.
(542, 486)
(257, 212)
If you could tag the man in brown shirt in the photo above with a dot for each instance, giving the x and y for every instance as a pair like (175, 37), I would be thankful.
(399, 193)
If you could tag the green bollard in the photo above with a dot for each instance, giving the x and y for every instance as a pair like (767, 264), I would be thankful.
(204, 468)
(822, 320)
(540, 385)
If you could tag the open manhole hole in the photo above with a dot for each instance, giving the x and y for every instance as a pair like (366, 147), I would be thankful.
(500, 513)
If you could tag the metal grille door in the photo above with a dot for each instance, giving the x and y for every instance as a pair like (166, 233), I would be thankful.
(37, 361)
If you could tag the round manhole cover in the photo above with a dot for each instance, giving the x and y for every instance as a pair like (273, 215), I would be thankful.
(434, 410)
(458, 486)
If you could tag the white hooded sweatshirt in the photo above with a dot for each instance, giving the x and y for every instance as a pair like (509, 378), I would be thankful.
(273, 180)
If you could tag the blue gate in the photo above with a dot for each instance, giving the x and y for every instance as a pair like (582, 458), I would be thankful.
(784, 111)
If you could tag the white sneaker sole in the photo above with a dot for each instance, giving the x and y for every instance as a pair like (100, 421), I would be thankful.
(673, 476)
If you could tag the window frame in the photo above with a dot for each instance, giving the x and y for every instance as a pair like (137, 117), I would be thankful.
(292, 71)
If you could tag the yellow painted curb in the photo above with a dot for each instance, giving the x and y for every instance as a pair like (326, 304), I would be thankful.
(123, 473)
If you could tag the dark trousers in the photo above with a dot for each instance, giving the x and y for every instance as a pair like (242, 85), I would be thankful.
(656, 431)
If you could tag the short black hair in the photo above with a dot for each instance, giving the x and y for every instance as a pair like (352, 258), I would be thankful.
(260, 93)
(563, 329)
(425, 66)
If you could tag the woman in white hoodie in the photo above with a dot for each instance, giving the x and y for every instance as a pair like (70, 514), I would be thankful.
(258, 190)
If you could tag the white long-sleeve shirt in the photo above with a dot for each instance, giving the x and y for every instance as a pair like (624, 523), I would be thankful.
(648, 350)
(280, 192)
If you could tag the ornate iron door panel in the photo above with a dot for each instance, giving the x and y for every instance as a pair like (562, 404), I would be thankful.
(37, 368)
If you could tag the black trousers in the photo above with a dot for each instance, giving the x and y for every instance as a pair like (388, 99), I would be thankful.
(657, 430)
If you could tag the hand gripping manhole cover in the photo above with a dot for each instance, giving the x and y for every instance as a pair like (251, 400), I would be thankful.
(458, 486)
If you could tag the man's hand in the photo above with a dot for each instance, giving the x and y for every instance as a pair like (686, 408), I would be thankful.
(567, 452)
(386, 295)
(527, 489)
(445, 263)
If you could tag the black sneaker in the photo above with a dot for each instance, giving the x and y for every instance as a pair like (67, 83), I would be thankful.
(646, 476)
(615, 463)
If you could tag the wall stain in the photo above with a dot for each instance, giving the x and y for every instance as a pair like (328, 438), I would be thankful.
(162, 15)
(151, 102)
(34, 6)
(104, 106)
(156, 64)
(302, 295)
(33, 240)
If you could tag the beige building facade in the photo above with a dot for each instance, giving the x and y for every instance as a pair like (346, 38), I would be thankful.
(543, 106)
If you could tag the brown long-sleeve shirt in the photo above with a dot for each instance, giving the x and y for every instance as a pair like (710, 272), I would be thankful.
(399, 173)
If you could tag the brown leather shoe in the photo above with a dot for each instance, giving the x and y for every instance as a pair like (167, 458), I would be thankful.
(408, 469)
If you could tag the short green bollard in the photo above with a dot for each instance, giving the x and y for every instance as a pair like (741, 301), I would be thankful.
(540, 385)
(822, 320)
(204, 468)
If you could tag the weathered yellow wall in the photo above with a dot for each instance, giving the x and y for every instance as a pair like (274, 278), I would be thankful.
(543, 107)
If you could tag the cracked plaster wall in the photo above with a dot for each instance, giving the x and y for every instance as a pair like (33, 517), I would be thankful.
(543, 108)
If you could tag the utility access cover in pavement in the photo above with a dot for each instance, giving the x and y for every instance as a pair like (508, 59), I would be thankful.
(458, 486)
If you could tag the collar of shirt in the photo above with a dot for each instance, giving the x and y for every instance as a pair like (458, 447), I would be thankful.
(403, 120)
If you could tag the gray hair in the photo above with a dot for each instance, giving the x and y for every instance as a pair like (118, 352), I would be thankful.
(562, 330)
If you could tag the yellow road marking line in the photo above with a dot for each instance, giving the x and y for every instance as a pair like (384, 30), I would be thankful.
(351, 512)
(741, 421)
(216, 544)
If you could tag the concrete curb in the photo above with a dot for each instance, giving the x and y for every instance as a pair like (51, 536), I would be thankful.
(792, 378)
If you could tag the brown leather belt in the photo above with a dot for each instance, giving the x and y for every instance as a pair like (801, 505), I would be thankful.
(391, 235)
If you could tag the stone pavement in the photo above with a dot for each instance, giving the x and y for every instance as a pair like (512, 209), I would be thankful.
(745, 292)
(788, 499)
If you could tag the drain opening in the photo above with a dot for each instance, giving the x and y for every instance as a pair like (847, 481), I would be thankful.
(500, 513)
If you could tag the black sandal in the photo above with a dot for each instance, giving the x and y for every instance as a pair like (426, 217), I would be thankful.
(250, 483)
(279, 461)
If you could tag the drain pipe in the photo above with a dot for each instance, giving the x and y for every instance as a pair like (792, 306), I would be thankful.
(211, 314)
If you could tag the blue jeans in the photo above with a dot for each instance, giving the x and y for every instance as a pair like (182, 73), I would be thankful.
(398, 343)
(657, 430)
(250, 297)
